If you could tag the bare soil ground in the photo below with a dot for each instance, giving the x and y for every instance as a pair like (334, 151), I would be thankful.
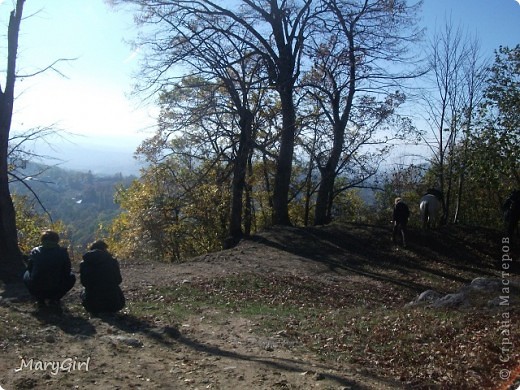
(314, 308)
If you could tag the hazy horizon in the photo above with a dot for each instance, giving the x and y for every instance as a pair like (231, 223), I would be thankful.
(100, 159)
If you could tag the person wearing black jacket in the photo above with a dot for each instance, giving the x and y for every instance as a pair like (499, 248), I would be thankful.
(400, 217)
(49, 276)
(101, 277)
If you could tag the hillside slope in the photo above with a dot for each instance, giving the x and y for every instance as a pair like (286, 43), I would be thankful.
(288, 309)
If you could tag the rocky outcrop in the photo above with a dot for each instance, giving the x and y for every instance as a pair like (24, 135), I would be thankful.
(481, 292)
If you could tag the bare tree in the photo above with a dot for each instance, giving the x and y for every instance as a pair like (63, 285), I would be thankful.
(11, 263)
(237, 71)
(10, 255)
(353, 44)
(216, 59)
(273, 32)
(475, 74)
(360, 41)
(450, 106)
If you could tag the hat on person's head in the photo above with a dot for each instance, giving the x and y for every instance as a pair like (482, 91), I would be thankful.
(50, 236)
(397, 200)
(99, 244)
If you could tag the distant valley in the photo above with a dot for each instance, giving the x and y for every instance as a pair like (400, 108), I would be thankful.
(83, 200)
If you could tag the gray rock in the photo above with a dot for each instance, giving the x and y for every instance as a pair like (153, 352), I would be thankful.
(486, 284)
(480, 292)
(429, 296)
(426, 297)
(452, 300)
(130, 341)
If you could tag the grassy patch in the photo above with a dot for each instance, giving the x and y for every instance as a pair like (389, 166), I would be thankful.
(419, 346)
(247, 295)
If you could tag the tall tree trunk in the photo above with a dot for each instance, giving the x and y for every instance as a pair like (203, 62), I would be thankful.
(308, 192)
(10, 256)
(248, 212)
(282, 179)
(325, 189)
(325, 198)
(266, 218)
(451, 157)
(239, 178)
(458, 203)
(328, 172)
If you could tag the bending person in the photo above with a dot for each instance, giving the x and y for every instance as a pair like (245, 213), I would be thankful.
(101, 277)
(49, 276)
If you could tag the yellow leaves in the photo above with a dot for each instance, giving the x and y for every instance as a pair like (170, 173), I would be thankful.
(172, 213)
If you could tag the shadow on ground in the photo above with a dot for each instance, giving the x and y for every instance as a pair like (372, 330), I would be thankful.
(455, 254)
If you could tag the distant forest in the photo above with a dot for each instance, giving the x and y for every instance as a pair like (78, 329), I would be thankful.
(82, 201)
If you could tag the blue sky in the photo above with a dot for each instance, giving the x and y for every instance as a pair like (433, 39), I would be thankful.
(93, 101)
(91, 97)
(496, 22)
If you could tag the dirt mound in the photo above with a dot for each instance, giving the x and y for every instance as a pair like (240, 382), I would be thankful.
(288, 309)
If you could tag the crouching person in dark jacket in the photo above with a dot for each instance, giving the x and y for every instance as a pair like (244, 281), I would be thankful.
(49, 276)
(101, 276)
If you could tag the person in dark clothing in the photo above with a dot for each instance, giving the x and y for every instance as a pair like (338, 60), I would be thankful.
(49, 276)
(400, 219)
(511, 210)
(101, 277)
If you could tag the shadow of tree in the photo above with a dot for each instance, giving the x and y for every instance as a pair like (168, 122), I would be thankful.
(367, 250)
(170, 336)
(131, 324)
(282, 364)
